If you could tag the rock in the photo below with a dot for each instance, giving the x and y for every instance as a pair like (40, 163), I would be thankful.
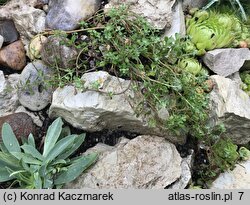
(40, 3)
(37, 119)
(157, 12)
(28, 20)
(146, 162)
(93, 110)
(55, 52)
(8, 93)
(66, 15)
(33, 93)
(186, 174)
(188, 4)
(46, 8)
(13, 56)
(178, 21)
(1, 41)
(8, 31)
(21, 124)
(236, 78)
(238, 178)
(226, 61)
(230, 105)
(35, 47)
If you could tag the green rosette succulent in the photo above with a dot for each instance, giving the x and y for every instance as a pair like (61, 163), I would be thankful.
(245, 77)
(244, 153)
(190, 64)
(211, 30)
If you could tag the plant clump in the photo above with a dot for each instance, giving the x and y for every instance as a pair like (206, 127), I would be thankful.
(126, 46)
(245, 77)
(212, 29)
(29, 169)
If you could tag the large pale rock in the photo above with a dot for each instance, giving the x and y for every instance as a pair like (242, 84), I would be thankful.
(8, 93)
(236, 78)
(93, 110)
(28, 20)
(238, 178)
(230, 105)
(13, 56)
(146, 162)
(157, 12)
(66, 15)
(178, 21)
(226, 61)
(34, 94)
(186, 174)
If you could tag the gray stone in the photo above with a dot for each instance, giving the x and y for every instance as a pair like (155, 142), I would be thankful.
(157, 12)
(230, 105)
(54, 52)
(146, 162)
(8, 31)
(178, 21)
(238, 178)
(1, 41)
(94, 110)
(188, 4)
(236, 78)
(226, 61)
(28, 20)
(186, 174)
(33, 93)
(66, 15)
(8, 93)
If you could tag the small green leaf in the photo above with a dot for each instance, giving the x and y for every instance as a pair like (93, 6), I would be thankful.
(3, 148)
(5, 175)
(47, 183)
(75, 169)
(52, 136)
(43, 170)
(9, 139)
(59, 161)
(76, 144)
(37, 181)
(60, 147)
(29, 149)
(65, 132)
(27, 158)
(9, 160)
(31, 141)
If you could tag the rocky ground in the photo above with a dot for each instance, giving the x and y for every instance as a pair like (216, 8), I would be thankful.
(133, 153)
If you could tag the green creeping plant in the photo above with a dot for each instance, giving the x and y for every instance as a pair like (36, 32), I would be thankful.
(30, 169)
